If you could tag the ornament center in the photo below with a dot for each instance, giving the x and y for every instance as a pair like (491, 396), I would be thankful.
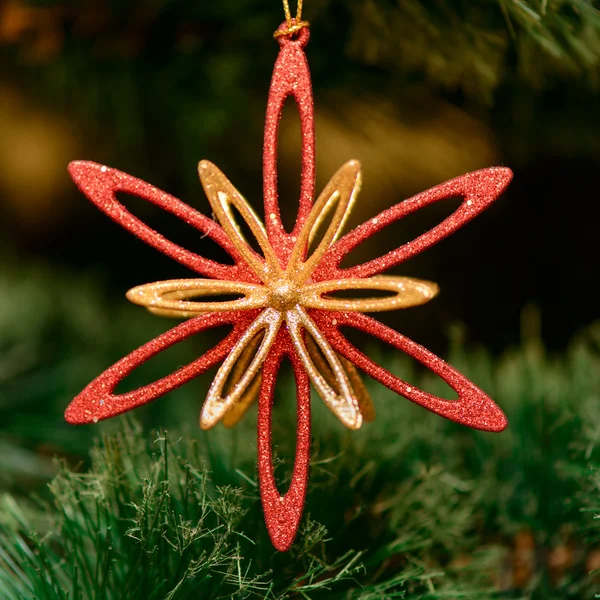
(283, 295)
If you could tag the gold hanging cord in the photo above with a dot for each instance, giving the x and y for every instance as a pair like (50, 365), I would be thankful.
(294, 24)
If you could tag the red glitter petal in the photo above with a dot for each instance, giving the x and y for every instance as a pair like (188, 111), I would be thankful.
(474, 408)
(291, 77)
(283, 513)
(478, 190)
(97, 401)
(101, 184)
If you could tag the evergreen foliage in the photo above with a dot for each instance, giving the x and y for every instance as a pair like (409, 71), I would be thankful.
(473, 46)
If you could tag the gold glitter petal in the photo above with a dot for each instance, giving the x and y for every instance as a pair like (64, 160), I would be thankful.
(342, 402)
(239, 409)
(359, 389)
(222, 195)
(235, 414)
(348, 181)
(170, 298)
(408, 292)
(215, 406)
(342, 190)
(365, 403)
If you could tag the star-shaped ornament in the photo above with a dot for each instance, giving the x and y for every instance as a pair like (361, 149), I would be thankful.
(284, 284)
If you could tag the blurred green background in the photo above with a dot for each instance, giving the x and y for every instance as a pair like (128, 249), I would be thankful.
(419, 92)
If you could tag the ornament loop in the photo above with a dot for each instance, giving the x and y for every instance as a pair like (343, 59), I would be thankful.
(296, 31)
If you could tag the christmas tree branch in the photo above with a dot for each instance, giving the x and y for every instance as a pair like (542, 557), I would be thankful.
(478, 46)
(410, 507)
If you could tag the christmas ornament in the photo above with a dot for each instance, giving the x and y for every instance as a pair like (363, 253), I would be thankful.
(285, 306)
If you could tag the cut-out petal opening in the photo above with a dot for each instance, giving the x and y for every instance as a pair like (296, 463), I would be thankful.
(223, 198)
(341, 400)
(407, 292)
(291, 77)
(218, 402)
(175, 229)
(404, 230)
(101, 184)
(234, 415)
(288, 186)
(97, 401)
(172, 298)
(359, 389)
(473, 408)
(478, 190)
(283, 513)
(338, 196)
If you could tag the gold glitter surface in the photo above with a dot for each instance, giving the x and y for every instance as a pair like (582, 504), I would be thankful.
(239, 409)
(341, 189)
(343, 404)
(222, 196)
(216, 405)
(360, 390)
(170, 298)
(285, 293)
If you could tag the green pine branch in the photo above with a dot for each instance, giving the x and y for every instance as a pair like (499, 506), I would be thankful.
(411, 506)
(478, 46)
(148, 521)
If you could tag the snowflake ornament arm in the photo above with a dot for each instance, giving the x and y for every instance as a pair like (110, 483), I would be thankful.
(284, 307)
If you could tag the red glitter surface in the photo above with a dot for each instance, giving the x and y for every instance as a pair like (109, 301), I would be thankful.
(478, 190)
(291, 77)
(97, 401)
(283, 513)
(473, 408)
(101, 185)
